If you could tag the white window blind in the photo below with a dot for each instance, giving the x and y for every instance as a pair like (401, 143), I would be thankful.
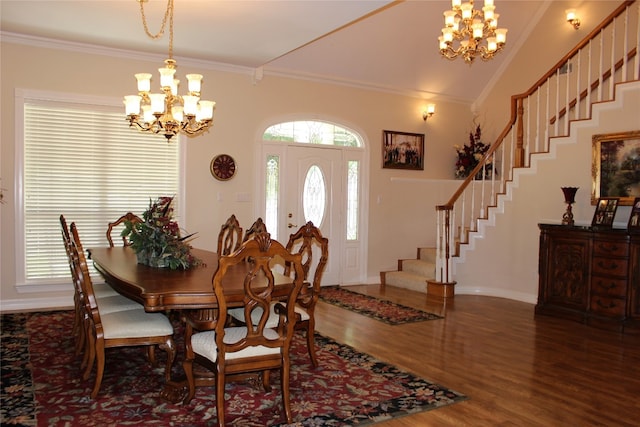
(84, 162)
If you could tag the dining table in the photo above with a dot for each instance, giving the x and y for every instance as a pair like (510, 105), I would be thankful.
(187, 292)
(162, 289)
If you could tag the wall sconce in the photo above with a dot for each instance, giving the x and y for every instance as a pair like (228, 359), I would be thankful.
(572, 18)
(431, 109)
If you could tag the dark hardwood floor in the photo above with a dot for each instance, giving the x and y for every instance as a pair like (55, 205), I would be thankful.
(517, 369)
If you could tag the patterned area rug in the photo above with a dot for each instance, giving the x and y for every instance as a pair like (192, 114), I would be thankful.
(379, 309)
(42, 385)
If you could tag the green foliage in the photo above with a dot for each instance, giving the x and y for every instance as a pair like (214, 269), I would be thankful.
(157, 241)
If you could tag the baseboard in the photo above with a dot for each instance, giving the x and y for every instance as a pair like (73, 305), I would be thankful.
(36, 304)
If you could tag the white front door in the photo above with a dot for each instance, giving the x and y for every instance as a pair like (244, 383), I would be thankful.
(313, 179)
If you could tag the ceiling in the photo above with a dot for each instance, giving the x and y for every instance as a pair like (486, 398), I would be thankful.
(375, 44)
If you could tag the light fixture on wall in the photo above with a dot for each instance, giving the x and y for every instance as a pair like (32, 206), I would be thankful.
(475, 32)
(572, 18)
(168, 113)
(428, 112)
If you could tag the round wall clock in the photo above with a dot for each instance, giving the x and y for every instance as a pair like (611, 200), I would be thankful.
(223, 167)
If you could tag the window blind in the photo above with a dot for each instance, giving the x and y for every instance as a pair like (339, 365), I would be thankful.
(84, 162)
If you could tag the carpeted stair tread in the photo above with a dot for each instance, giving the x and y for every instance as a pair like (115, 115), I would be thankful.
(406, 280)
(419, 267)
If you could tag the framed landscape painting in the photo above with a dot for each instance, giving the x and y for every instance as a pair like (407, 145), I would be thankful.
(616, 167)
(402, 150)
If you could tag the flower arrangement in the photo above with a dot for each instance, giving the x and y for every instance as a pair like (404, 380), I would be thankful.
(470, 155)
(157, 241)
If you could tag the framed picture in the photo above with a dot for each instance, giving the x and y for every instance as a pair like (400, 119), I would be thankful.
(634, 217)
(402, 150)
(605, 212)
(616, 167)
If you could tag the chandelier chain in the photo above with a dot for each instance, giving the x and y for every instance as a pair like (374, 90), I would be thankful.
(168, 14)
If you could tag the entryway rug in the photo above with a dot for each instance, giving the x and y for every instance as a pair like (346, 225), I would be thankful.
(379, 309)
(42, 385)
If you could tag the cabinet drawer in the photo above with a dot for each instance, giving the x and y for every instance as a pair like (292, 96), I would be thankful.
(610, 248)
(609, 286)
(607, 306)
(609, 266)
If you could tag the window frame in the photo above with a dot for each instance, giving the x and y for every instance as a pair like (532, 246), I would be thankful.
(95, 103)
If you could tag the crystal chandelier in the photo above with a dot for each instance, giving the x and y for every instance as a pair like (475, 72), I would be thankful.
(476, 32)
(168, 113)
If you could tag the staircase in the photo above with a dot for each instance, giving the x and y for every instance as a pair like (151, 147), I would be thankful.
(412, 274)
(605, 58)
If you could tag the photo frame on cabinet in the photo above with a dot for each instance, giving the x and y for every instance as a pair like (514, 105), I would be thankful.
(605, 212)
(402, 150)
(634, 217)
(615, 167)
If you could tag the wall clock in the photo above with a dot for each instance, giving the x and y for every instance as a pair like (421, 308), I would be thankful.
(223, 167)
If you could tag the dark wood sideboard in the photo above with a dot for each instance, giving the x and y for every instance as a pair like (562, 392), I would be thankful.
(590, 275)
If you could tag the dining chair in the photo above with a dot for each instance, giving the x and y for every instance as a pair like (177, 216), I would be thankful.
(110, 300)
(230, 236)
(257, 227)
(126, 328)
(252, 347)
(126, 217)
(306, 241)
(79, 314)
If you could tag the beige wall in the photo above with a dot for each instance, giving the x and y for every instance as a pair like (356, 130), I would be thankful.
(505, 262)
(243, 111)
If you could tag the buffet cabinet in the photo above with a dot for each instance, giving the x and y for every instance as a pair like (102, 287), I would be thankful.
(590, 275)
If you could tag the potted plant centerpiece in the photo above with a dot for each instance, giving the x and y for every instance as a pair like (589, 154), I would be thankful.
(157, 240)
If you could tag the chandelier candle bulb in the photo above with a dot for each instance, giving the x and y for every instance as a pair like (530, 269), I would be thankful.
(157, 103)
(488, 12)
(467, 11)
(144, 82)
(492, 44)
(132, 104)
(177, 113)
(195, 81)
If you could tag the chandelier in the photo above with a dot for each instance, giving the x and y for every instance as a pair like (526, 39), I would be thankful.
(476, 32)
(167, 112)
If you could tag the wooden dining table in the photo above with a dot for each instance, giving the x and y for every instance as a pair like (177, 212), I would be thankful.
(188, 292)
(161, 289)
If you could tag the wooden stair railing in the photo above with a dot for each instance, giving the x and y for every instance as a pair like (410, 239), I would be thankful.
(608, 55)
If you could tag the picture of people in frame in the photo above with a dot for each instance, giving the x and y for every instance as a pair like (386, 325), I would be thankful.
(634, 218)
(605, 212)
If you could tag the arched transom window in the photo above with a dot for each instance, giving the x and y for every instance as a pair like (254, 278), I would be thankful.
(312, 132)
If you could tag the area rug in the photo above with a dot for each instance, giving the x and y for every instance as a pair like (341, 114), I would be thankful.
(42, 385)
(379, 309)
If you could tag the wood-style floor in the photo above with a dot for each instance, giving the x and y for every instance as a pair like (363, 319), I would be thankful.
(517, 369)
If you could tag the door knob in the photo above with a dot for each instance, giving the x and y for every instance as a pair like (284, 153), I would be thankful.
(291, 225)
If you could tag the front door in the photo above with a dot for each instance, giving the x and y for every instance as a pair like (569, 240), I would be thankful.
(314, 192)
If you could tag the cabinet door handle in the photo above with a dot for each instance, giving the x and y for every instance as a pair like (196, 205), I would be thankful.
(608, 266)
(610, 305)
(609, 248)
